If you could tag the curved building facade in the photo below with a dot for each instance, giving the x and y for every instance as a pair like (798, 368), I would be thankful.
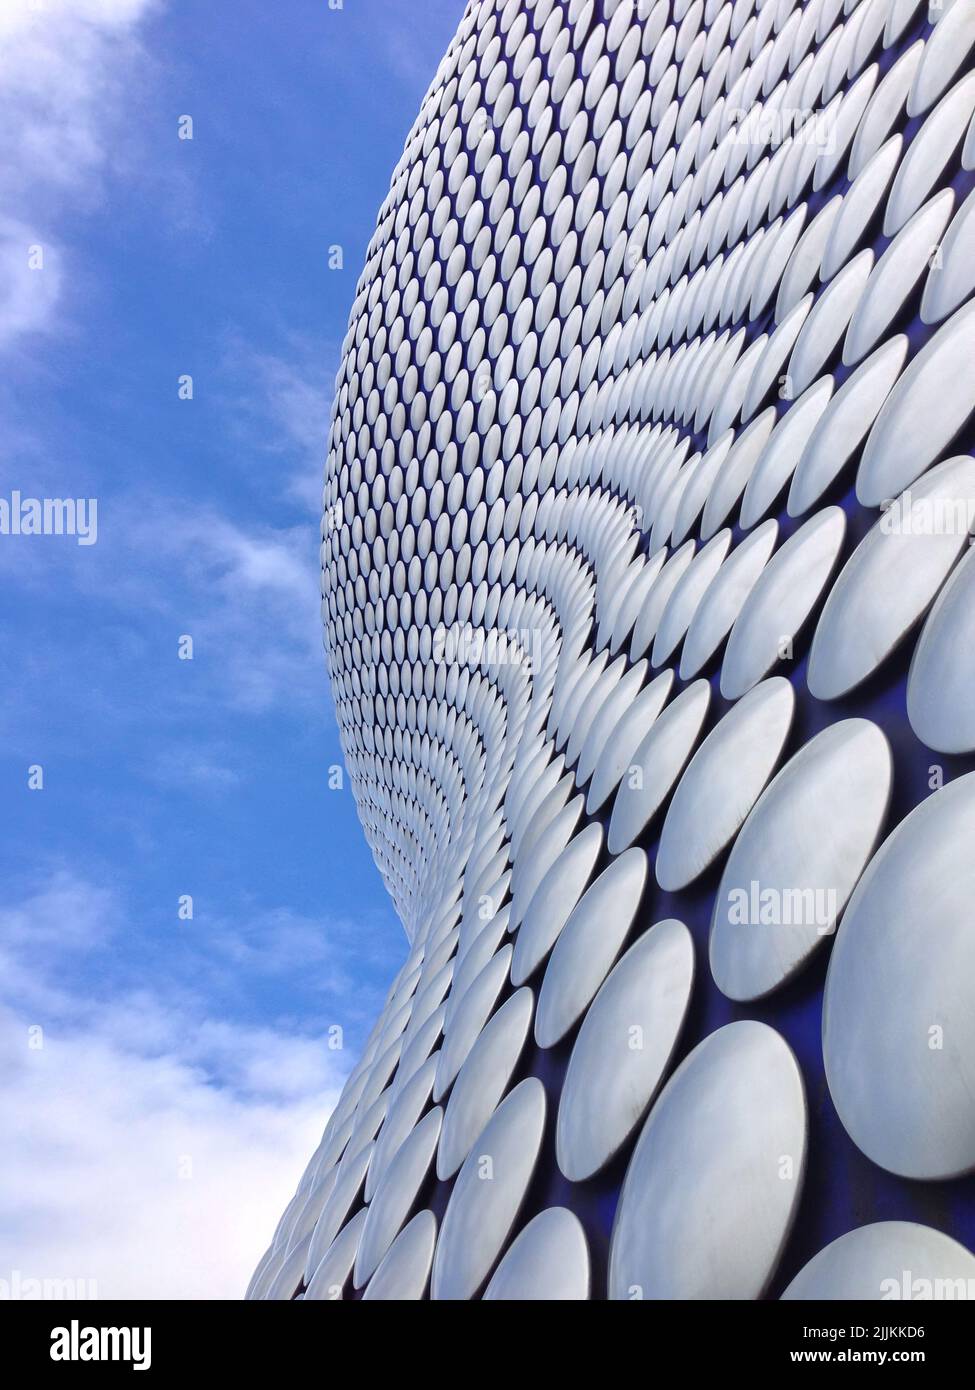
(650, 617)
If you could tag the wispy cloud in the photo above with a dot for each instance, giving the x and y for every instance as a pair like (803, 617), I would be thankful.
(345, 962)
(246, 593)
(30, 281)
(280, 403)
(409, 54)
(61, 915)
(68, 66)
(250, 600)
(67, 70)
(190, 766)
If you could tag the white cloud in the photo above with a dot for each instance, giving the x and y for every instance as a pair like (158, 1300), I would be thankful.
(67, 72)
(281, 404)
(62, 915)
(136, 1171)
(254, 605)
(67, 69)
(147, 1146)
(247, 593)
(30, 281)
(189, 766)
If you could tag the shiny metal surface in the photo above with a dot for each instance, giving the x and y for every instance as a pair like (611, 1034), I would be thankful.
(687, 594)
(633, 727)
(400, 1121)
(778, 460)
(657, 764)
(884, 1261)
(538, 856)
(331, 1274)
(952, 280)
(940, 682)
(944, 54)
(844, 425)
(483, 1080)
(732, 1118)
(404, 1271)
(287, 1277)
(898, 1027)
(929, 152)
(646, 625)
(893, 278)
(891, 578)
(798, 858)
(827, 322)
(554, 901)
(779, 606)
(735, 472)
(547, 1261)
(623, 1048)
(472, 1013)
(723, 599)
(488, 1193)
(806, 260)
(340, 1203)
(723, 781)
(923, 413)
(868, 191)
(607, 719)
(396, 1193)
(589, 943)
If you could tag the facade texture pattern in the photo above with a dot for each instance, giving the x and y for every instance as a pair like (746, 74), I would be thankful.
(650, 616)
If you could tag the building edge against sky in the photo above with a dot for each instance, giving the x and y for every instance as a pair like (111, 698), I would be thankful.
(648, 596)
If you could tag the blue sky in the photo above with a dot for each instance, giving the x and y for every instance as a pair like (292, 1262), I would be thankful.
(152, 1140)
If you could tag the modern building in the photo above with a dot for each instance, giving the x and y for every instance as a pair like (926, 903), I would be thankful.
(650, 615)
